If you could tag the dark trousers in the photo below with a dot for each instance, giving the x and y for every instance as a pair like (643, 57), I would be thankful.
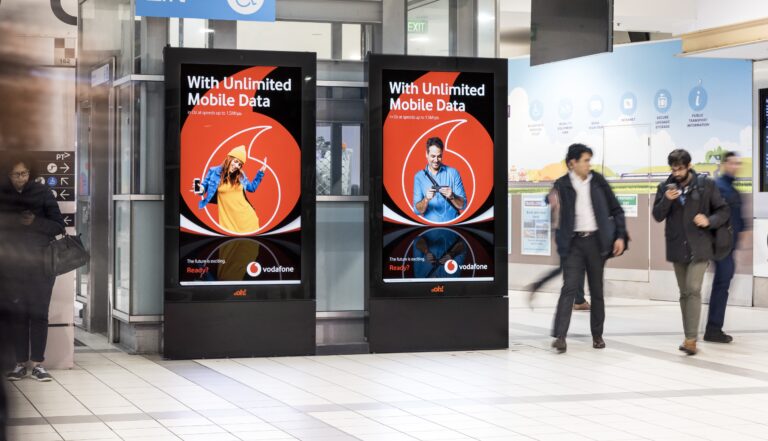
(584, 257)
(724, 271)
(580, 300)
(30, 322)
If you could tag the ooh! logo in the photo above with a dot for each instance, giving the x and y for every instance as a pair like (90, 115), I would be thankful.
(451, 267)
(246, 7)
(254, 269)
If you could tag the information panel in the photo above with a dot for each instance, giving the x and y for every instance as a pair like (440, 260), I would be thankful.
(438, 138)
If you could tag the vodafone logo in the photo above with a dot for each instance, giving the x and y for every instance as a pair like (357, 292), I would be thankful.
(451, 267)
(254, 269)
(246, 7)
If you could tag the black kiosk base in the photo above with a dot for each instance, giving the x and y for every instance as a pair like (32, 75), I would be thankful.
(446, 324)
(239, 329)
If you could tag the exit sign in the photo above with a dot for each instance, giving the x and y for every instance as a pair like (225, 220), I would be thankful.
(417, 26)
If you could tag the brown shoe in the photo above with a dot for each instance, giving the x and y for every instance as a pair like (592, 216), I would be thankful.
(581, 307)
(689, 347)
(598, 343)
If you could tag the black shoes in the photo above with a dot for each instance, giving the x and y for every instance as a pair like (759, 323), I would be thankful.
(559, 345)
(717, 336)
(598, 343)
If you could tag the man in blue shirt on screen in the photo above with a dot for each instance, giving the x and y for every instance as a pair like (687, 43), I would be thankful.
(438, 193)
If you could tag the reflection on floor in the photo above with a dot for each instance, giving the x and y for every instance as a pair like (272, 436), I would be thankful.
(640, 387)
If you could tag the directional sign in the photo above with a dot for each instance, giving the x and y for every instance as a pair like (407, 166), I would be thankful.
(69, 219)
(64, 194)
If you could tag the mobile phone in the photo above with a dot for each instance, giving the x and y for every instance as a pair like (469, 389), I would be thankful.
(671, 187)
(196, 187)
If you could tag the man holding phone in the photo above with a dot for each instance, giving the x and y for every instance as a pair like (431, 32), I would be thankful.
(438, 193)
(693, 208)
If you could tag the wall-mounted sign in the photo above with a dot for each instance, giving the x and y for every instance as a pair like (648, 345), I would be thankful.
(418, 26)
(251, 10)
(629, 203)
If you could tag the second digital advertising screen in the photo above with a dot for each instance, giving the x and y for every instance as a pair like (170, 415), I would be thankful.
(437, 176)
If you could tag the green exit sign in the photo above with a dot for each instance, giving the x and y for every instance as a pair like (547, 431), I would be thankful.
(417, 26)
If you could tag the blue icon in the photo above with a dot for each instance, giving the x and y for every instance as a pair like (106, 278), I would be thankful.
(662, 101)
(536, 110)
(596, 106)
(52, 181)
(628, 104)
(697, 98)
(566, 108)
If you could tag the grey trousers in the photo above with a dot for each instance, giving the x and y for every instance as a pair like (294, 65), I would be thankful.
(690, 277)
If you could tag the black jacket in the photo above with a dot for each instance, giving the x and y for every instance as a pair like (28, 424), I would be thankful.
(24, 245)
(685, 241)
(733, 199)
(608, 213)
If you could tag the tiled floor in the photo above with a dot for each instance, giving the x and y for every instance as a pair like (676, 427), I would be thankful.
(639, 388)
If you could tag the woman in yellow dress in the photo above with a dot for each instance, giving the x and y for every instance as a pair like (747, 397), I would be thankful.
(228, 183)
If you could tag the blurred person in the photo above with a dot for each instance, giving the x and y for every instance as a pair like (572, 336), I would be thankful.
(29, 220)
(726, 267)
(591, 228)
(692, 207)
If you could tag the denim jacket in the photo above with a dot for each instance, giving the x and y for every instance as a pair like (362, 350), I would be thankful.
(213, 178)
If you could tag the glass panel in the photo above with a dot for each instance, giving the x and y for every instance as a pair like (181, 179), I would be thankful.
(340, 256)
(286, 36)
(486, 28)
(122, 255)
(195, 33)
(107, 29)
(351, 142)
(148, 166)
(147, 287)
(351, 42)
(124, 140)
(173, 32)
(323, 153)
(429, 28)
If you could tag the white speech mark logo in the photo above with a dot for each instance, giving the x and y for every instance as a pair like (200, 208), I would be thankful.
(451, 267)
(246, 7)
(254, 269)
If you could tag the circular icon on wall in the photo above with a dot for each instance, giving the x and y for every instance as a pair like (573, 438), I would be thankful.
(662, 101)
(565, 109)
(536, 110)
(246, 7)
(596, 106)
(628, 104)
(52, 168)
(451, 266)
(697, 98)
(254, 269)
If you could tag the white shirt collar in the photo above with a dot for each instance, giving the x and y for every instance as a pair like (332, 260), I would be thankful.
(577, 179)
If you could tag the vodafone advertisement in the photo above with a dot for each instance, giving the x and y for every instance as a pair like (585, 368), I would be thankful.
(240, 175)
(437, 146)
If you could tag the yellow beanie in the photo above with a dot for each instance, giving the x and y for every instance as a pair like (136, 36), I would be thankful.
(239, 153)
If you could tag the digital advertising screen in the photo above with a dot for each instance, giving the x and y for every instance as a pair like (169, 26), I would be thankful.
(439, 131)
(241, 127)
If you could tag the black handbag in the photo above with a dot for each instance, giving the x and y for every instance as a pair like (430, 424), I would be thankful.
(65, 253)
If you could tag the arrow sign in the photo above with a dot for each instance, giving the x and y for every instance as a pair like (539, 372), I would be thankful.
(63, 194)
(69, 219)
(65, 182)
(65, 167)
